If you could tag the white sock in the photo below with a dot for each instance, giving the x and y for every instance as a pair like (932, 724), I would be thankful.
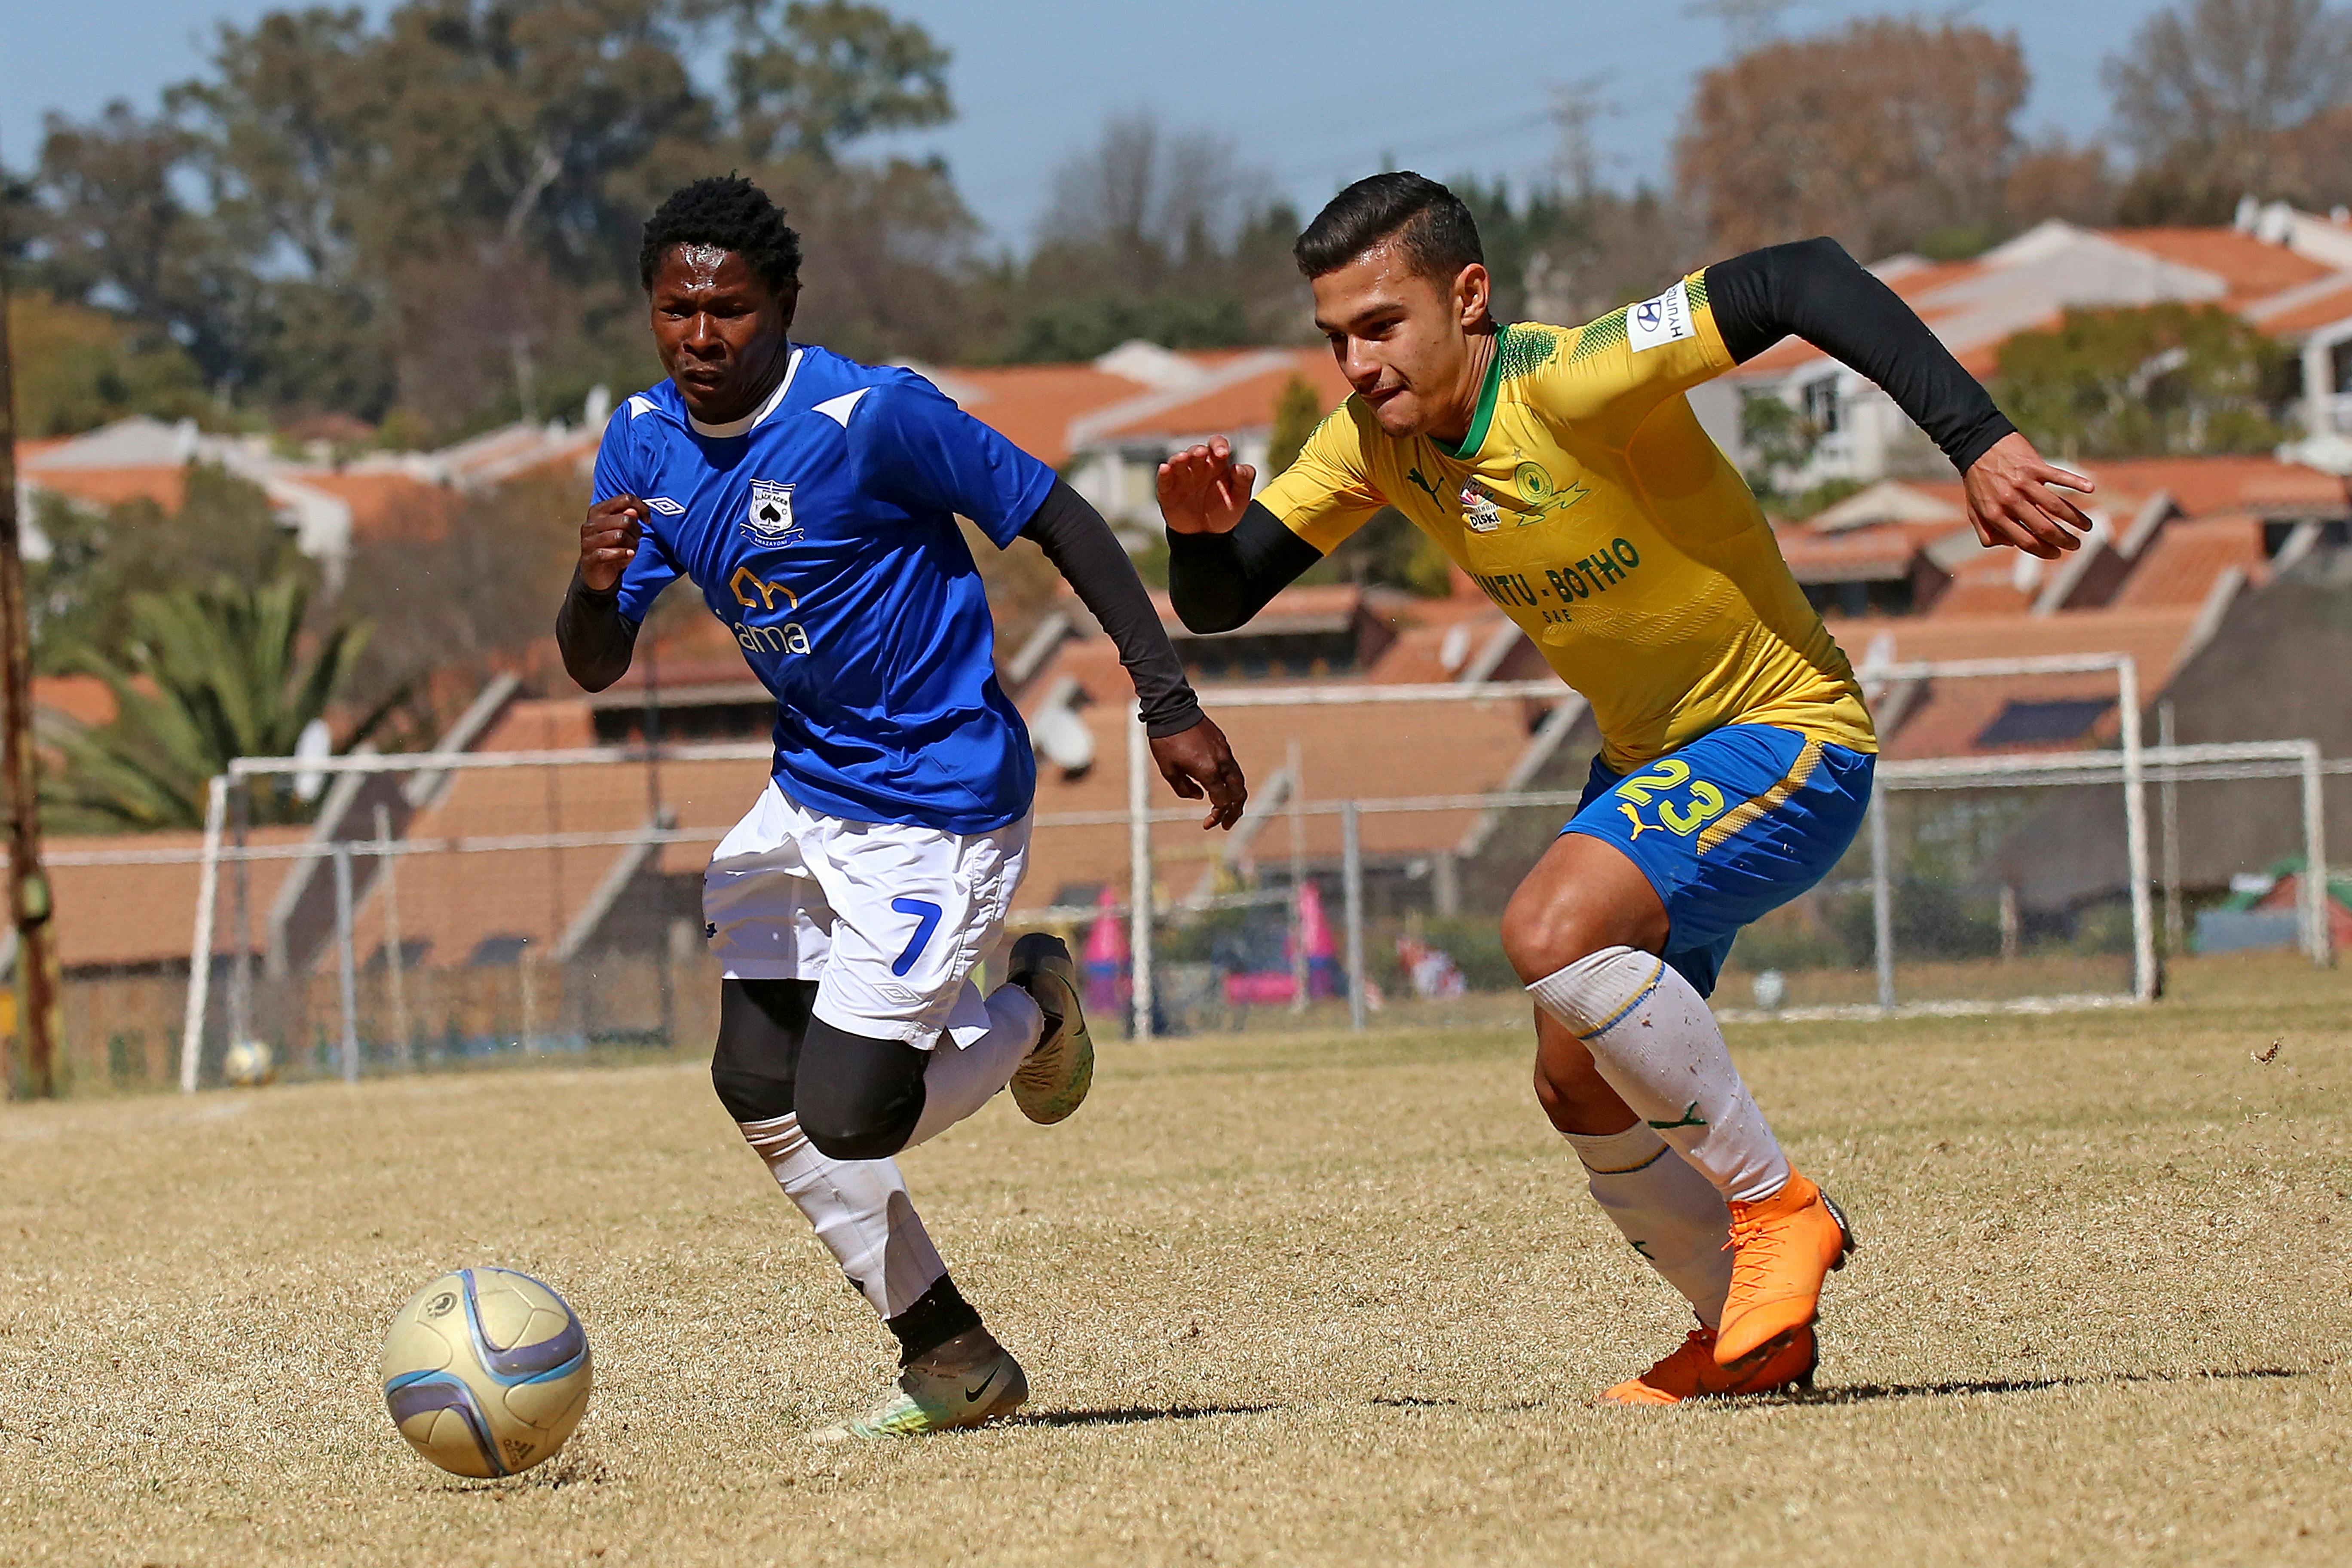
(1671, 1215)
(1657, 1045)
(860, 1210)
(962, 1079)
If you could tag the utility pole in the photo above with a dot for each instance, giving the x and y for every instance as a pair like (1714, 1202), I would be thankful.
(29, 904)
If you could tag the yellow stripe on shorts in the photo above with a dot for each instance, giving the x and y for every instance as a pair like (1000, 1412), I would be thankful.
(1772, 799)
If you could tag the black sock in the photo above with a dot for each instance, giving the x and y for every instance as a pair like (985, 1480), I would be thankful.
(937, 1315)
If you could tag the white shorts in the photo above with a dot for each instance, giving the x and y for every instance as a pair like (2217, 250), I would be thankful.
(887, 919)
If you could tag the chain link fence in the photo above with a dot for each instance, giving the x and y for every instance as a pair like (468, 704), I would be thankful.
(447, 909)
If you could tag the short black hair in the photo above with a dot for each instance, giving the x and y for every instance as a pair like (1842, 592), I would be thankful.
(732, 213)
(1440, 236)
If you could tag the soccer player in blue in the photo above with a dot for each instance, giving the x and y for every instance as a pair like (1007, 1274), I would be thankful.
(813, 502)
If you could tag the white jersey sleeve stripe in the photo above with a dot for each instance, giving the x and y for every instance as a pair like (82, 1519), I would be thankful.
(837, 408)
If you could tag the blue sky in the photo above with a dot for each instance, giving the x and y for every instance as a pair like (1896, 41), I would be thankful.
(1317, 94)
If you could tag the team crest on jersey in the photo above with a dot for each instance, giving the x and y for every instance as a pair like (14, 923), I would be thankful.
(1479, 513)
(771, 519)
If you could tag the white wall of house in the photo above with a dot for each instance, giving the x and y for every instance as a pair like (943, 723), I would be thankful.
(1121, 478)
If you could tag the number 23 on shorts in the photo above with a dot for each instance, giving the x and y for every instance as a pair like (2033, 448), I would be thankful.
(926, 921)
(1707, 802)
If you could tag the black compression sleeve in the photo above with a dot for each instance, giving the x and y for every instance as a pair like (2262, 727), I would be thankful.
(1218, 580)
(1814, 289)
(1089, 555)
(595, 638)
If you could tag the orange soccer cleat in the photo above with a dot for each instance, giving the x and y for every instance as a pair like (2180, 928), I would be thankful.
(1691, 1373)
(1781, 1248)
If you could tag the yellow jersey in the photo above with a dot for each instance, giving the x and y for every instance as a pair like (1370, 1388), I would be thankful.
(1587, 501)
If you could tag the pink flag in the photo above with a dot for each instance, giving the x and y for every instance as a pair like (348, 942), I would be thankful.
(1312, 928)
(1106, 937)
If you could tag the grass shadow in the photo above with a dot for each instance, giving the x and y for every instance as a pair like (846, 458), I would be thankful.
(1130, 1414)
(1867, 1392)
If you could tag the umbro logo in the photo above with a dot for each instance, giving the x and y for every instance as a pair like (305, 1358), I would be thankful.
(664, 505)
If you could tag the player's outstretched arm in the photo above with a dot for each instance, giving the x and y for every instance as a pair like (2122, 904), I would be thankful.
(597, 640)
(1227, 554)
(1189, 750)
(1814, 290)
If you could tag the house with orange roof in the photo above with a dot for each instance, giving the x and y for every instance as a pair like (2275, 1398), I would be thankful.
(1906, 547)
(1108, 424)
(2286, 273)
(324, 502)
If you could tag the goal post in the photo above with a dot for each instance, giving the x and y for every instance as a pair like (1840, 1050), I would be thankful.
(2123, 768)
(350, 992)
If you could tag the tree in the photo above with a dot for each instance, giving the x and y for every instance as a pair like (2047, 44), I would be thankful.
(1567, 254)
(2168, 379)
(2054, 178)
(441, 209)
(208, 674)
(442, 595)
(1298, 410)
(109, 220)
(100, 559)
(1144, 201)
(76, 368)
(1890, 135)
(833, 72)
(2208, 91)
(1152, 233)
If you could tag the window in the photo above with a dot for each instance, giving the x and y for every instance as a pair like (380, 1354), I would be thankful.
(2329, 532)
(1877, 596)
(1821, 405)
(493, 952)
(412, 953)
(2339, 366)
(623, 723)
(2023, 723)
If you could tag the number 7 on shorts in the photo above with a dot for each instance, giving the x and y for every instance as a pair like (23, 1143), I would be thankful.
(926, 921)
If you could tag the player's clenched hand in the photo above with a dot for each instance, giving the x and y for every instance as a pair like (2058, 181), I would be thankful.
(1204, 491)
(608, 540)
(2012, 500)
(1197, 762)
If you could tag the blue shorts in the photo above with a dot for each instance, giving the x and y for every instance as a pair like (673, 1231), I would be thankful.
(1729, 828)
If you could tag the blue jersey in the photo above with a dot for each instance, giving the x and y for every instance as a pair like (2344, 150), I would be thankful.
(821, 530)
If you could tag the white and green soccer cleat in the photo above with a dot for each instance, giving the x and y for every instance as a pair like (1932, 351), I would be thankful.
(968, 1381)
(1053, 1080)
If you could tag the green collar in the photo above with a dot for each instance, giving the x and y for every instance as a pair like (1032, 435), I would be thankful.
(1485, 413)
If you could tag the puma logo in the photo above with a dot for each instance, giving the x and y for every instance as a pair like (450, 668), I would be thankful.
(1691, 1118)
(1414, 475)
(1640, 827)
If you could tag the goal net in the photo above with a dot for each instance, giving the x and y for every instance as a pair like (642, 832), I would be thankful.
(444, 907)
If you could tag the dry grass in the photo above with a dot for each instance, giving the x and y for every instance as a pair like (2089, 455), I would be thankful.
(1281, 1300)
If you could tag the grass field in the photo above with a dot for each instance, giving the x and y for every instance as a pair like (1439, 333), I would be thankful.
(1281, 1300)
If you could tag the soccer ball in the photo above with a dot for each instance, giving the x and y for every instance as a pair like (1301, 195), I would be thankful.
(486, 1371)
(249, 1064)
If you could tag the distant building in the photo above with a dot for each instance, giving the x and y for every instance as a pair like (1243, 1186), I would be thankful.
(2286, 273)
(1109, 423)
(325, 503)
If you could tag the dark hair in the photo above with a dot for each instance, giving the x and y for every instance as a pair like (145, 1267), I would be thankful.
(1440, 236)
(732, 213)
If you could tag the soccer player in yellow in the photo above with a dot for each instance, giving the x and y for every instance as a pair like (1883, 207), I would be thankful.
(1564, 469)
